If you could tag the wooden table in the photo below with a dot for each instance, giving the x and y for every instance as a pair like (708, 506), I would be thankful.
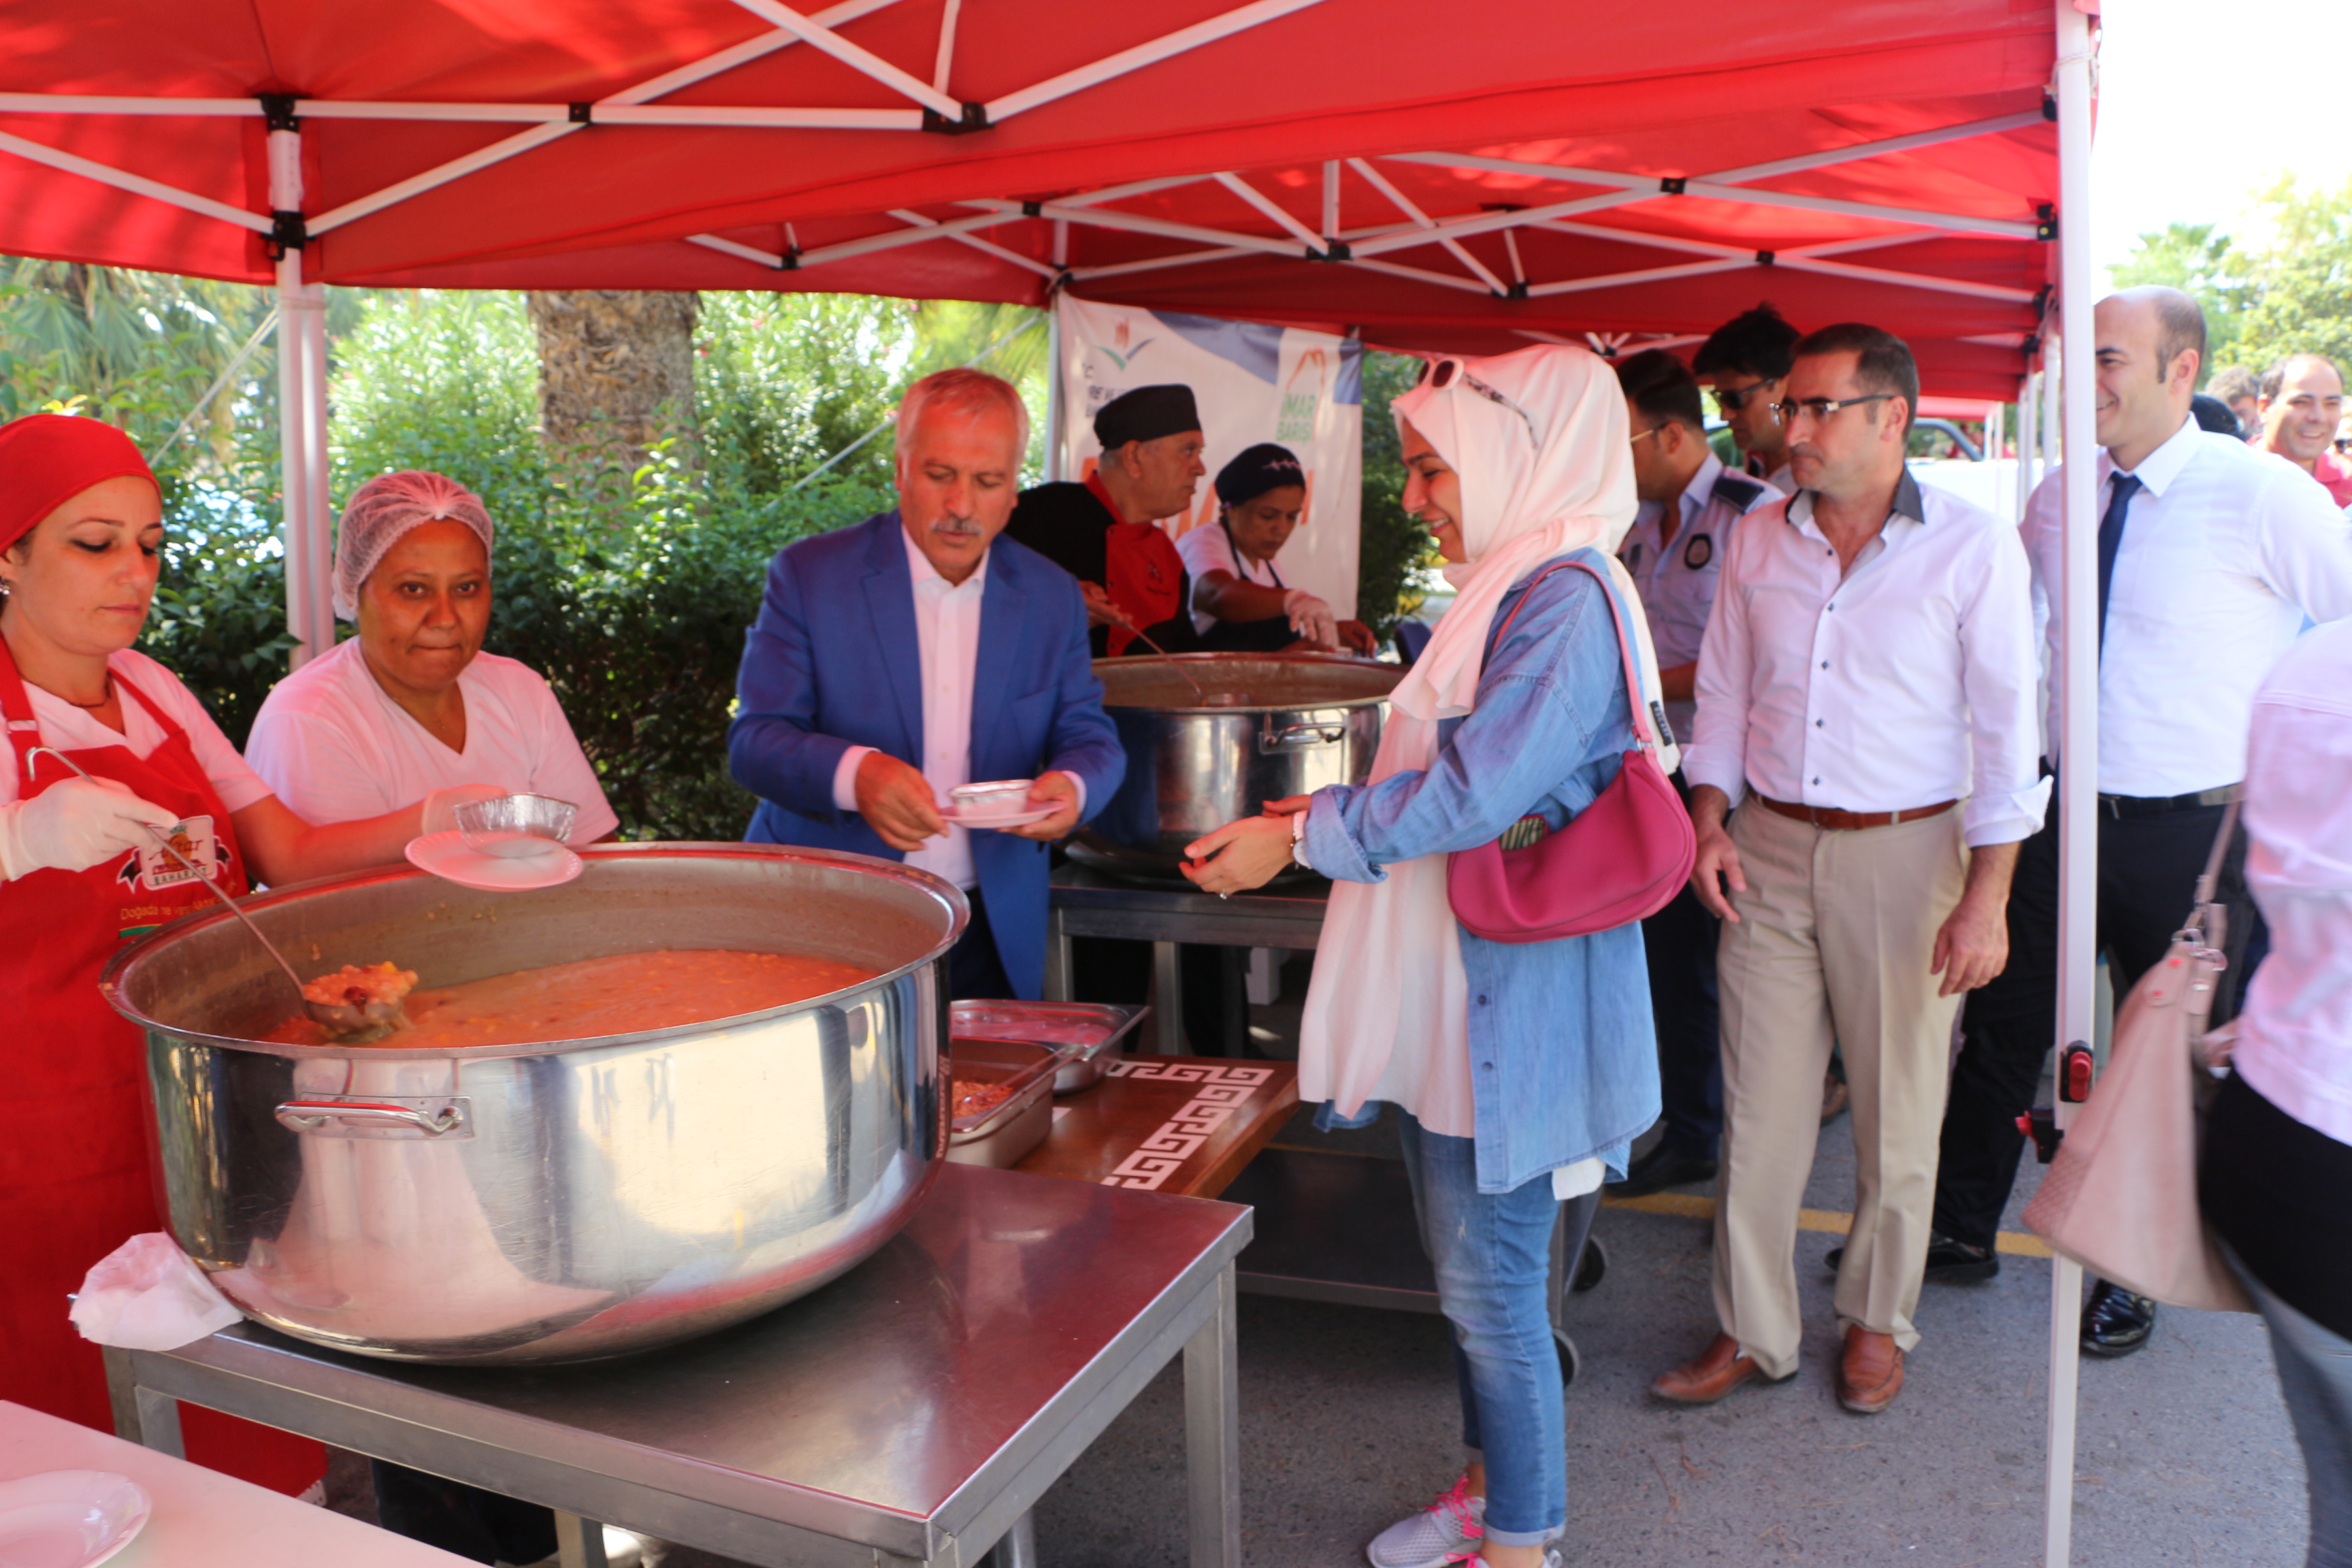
(1170, 1124)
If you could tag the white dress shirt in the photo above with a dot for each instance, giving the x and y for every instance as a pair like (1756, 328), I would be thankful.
(1907, 683)
(2224, 554)
(2295, 1038)
(1676, 575)
(947, 640)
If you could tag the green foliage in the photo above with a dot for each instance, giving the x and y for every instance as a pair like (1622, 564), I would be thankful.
(2199, 260)
(1396, 551)
(2282, 285)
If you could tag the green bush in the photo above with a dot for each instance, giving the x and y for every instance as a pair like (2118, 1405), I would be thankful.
(1396, 548)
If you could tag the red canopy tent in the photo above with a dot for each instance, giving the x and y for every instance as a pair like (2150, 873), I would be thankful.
(1475, 178)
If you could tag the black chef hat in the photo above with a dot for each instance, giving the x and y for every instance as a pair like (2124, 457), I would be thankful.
(1146, 413)
(1263, 467)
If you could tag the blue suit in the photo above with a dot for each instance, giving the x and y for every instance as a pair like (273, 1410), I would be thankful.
(833, 662)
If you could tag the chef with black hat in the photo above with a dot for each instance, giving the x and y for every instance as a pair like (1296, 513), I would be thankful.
(1240, 602)
(1104, 532)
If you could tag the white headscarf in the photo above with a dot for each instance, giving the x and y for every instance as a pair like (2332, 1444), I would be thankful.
(1539, 440)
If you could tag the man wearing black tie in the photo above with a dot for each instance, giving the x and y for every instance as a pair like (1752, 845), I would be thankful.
(2211, 555)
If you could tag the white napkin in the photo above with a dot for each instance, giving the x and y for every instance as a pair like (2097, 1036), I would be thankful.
(147, 1295)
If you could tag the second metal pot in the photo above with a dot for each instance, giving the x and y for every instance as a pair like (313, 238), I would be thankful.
(1265, 726)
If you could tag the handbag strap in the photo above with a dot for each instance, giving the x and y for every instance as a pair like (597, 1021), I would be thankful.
(2205, 884)
(1649, 715)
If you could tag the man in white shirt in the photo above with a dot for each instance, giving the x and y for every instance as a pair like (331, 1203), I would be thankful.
(2212, 554)
(918, 651)
(1865, 697)
(1674, 552)
(1747, 360)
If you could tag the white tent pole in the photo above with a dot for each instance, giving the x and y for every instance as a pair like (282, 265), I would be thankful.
(2077, 677)
(1054, 415)
(1993, 435)
(301, 422)
(2028, 389)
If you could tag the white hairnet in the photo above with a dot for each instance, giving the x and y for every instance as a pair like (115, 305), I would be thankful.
(383, 511)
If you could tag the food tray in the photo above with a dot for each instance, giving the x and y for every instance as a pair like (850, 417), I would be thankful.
(1003, 1132)
(1084, 1033)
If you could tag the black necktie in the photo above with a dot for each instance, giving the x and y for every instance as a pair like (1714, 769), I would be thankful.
(2111, 535)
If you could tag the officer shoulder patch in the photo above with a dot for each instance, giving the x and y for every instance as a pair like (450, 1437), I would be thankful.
(1698, 552)
(1741, 491)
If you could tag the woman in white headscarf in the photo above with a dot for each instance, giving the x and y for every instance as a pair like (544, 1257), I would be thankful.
(1522, 1071)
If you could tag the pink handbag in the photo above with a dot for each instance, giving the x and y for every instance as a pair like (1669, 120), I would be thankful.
(2121, 1197)
(1621, 858)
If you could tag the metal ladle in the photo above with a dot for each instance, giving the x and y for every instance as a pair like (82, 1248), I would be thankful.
(1141, 637)
(340, 1017)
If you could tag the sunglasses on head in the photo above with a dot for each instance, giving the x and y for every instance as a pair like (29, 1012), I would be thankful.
(1440, 374)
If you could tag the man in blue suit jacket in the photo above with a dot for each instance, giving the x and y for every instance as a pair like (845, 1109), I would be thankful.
(917, 651)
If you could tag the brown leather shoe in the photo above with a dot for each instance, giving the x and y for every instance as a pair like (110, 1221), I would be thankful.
(1870, 1372)
(1719, 1369)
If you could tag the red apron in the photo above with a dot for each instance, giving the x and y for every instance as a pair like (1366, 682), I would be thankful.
(1143, 574)
(75, 1179)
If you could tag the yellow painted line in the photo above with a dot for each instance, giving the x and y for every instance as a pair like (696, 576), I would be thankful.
(1690, 1206)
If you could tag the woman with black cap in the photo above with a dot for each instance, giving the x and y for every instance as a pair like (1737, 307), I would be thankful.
(105, 743)
(1240, 602)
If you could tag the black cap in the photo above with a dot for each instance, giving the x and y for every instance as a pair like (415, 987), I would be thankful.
(1146, 413)
(2212, 413)
(1263, 467)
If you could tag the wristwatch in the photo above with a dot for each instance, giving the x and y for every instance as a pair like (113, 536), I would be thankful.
(1298, 840)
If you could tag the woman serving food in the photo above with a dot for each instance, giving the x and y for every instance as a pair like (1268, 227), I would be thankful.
(412, 704)
(1522, 1071)
(81, 873)
(1240, 602)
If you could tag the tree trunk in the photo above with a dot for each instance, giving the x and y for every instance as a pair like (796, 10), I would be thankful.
(616, 377)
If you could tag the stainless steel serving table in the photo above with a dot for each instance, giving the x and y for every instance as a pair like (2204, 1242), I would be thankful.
(1085, 902)
(911, 1411)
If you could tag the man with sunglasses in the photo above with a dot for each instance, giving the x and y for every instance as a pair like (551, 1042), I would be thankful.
(1866, 699)
(1674, 552)
(1748, 360)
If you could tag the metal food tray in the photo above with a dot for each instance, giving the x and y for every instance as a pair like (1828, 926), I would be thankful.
(1084, 1062)
(1005, 1131)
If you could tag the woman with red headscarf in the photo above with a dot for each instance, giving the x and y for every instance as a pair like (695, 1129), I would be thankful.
(81, 534)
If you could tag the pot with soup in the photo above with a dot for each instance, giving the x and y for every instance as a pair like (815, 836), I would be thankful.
(692, 1084)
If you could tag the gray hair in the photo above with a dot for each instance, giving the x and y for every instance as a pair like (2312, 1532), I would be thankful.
(966, 393)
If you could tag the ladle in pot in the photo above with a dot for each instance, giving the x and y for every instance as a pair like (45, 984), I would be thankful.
(1171, 658)
(342, 1018)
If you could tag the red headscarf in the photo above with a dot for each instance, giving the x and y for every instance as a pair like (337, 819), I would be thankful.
(47, 459)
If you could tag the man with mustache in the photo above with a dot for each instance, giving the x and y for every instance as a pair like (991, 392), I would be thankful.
(916, 652)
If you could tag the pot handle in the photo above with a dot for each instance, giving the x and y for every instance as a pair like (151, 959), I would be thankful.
(309, 1115)
(1304, 736)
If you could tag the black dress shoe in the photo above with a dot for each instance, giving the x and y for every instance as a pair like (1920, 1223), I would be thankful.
(1661, 1168)
(1949, 1262)
(2114, 1321)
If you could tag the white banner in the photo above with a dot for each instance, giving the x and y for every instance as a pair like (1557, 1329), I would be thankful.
(1254, 383)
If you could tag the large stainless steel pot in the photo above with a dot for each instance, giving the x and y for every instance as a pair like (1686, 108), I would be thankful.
(1265, 726)
(549, 1201)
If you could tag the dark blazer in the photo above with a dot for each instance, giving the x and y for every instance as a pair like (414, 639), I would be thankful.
(833, 663)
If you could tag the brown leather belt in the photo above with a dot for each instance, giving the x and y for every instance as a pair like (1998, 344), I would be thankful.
(1845, 821)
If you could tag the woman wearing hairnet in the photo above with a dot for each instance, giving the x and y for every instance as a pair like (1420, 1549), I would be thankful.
(412, 704)
(1240, 602)
(81, 534)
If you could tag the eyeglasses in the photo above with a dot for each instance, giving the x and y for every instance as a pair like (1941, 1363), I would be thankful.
(1823, 407)
(1442, 373)
(1732, 399)
(1639, 434)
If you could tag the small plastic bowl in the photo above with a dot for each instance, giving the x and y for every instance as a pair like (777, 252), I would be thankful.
(991, 799)
(514, 826)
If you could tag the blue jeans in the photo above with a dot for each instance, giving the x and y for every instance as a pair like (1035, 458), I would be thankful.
(1492, 1254)
(2314, 1369)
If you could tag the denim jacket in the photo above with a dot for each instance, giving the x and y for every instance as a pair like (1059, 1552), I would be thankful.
(1563, 1054)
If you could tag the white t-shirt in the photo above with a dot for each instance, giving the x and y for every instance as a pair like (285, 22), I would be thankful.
(336, 748)
(68, 729)
(1205, 550)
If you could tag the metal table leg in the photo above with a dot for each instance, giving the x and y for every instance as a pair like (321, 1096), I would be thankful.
(1212, 1434)
(579, 1543)
(1058, 980)
(1018, 1549)
(1168, 999)
(142, 1415)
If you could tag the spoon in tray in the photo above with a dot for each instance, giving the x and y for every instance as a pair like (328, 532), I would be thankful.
(362, 1012)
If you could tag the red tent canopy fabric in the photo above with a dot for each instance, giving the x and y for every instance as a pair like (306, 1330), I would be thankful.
(1634, 173)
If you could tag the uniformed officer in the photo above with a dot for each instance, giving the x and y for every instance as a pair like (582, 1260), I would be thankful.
(1747, 359)
(1690, 503)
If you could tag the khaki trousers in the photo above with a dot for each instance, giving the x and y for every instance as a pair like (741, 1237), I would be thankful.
(1835, 935)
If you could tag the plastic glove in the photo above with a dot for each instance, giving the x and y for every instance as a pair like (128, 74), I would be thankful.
(441, 805)
(147, 1295)
(1312, 618)
(74, 825)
